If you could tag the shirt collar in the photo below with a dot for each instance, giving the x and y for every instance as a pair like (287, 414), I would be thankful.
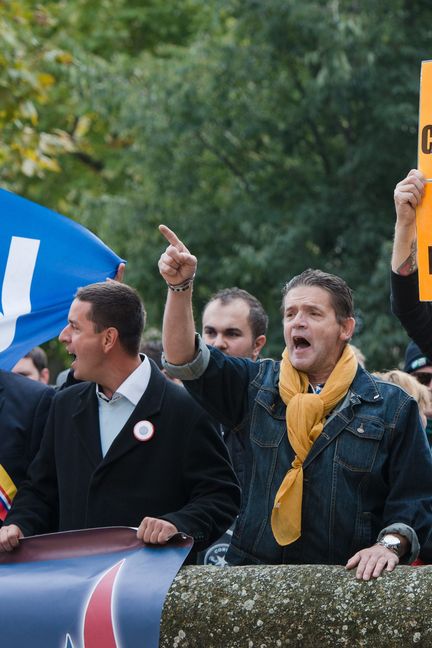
(134, 386)
(317, 389)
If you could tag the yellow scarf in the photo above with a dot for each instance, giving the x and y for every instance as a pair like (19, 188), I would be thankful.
(305, 418)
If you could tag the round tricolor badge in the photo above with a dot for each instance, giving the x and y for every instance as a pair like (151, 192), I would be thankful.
(143, 430)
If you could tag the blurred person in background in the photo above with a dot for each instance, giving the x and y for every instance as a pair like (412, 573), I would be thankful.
(235, 322)
(417, 364)
(413, 387)
(34, 365)
(24, 406)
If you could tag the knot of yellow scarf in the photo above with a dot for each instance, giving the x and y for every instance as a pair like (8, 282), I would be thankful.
(305, 418)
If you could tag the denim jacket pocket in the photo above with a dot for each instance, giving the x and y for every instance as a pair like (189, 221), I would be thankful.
(268, 424)
(357, 445)
(268, 436)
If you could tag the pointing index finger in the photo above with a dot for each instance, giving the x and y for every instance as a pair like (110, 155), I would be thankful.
(171, 237)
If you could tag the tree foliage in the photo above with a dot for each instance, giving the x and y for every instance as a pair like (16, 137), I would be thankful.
(269, 135)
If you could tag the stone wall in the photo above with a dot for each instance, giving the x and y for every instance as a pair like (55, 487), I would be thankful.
(305, 606)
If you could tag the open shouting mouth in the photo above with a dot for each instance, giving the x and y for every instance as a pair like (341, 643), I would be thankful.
(300, 342)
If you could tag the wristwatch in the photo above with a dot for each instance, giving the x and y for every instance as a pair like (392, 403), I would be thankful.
(392, 542)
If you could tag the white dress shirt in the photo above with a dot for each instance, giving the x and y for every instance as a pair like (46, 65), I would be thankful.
(114, 412)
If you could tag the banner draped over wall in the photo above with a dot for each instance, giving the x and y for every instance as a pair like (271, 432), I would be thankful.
(97, 588)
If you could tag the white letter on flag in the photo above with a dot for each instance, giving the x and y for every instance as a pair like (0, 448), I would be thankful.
(16, 286)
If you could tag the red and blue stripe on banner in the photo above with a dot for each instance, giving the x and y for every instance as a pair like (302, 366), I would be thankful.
(97, 588)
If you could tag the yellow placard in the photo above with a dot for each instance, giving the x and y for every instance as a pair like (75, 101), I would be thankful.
(425, 120)
(424, 244)
(424, 211)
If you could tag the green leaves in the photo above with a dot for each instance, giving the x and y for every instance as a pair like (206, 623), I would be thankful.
(270, 135)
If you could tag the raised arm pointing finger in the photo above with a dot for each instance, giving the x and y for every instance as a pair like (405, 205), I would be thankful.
(176, 265)
(172, 238)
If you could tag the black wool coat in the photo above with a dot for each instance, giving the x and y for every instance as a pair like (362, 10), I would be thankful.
(24, 406)
(182, 474)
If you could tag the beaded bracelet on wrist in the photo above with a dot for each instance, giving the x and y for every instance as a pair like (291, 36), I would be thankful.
(185, 285)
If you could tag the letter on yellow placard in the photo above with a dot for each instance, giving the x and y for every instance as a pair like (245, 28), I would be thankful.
(424, 211)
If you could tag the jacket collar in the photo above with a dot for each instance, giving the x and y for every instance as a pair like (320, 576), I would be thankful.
(87, 419)
(363, 388)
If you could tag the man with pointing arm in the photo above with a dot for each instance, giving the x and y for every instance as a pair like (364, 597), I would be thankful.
(332, 450)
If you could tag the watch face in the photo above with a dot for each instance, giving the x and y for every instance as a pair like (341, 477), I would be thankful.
(391, 540)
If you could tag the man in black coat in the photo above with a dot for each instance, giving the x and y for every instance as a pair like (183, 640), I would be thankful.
(24, 406)
(128, 448)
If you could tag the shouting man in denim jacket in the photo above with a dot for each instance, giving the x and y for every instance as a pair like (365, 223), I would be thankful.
(339, 470)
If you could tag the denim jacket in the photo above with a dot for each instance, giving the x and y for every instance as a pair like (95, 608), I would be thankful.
(367, 474)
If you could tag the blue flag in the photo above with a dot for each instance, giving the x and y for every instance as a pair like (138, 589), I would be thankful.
(97, 588)
(44, 259)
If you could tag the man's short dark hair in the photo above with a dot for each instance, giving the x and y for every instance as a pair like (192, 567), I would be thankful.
(257, 318)
(118, 305)
(339, 291)
(38, 357)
